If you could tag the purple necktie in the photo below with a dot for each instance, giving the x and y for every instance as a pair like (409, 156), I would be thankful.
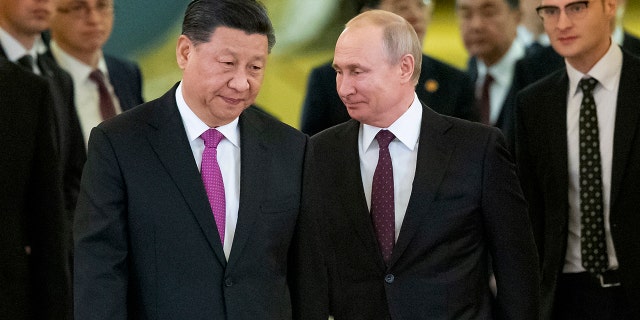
(107, 109)
(382, 203)
(212, 178)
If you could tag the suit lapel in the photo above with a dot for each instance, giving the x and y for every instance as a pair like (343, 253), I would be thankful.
(354, 201)
(555, 122)
(627, 119)
(433, 151)
(170, 143)
(254, 156)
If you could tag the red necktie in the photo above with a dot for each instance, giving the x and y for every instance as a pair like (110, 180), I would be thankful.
(107, 109)
(382, 203)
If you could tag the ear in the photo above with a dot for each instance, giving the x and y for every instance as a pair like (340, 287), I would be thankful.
(610, 7)
(407, 65)
(183, 51)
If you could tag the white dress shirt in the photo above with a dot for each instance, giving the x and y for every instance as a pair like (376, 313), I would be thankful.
(404, 155)
(607, 72)
(85, 90)
(228, 160)
(502, 73)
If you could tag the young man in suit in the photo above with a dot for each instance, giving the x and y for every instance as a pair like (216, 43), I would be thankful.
(443, 88)
(488, 29)
(79, 30)
(402, 207)
(578, 154)
(21, 25)
(34, 273)
(168, 226)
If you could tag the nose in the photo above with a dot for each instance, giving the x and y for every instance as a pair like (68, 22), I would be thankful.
(563, 20)
(343, 85)
(239, 81)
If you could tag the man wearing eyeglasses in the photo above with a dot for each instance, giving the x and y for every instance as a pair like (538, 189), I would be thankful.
(578, 149)
(79, 30)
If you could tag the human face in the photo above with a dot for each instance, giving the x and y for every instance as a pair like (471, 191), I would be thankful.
(373, 89)
(488, 28)
(82, 27)
(416, 12)
(222, 77)
(582, 39)
(25, 19)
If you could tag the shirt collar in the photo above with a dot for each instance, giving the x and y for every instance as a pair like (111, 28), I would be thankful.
(196, 127)
(14, 49)
(606, 70)
(79, 70)
(502, 71)
(406, 128)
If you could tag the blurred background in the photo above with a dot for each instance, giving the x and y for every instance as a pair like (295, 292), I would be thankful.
(306, 30)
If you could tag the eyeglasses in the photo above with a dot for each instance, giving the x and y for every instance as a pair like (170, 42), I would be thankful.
(82, 9)
(573, 10)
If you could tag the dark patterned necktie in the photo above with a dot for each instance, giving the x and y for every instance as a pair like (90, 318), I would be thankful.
(382, 203)
(592, 240)
(212, 178)
(107, 108)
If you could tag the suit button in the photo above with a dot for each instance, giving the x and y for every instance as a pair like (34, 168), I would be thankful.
(389, 278)
(228, 282)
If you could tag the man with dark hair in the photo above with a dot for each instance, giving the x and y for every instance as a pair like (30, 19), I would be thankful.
(189, 202)
(578, 152)
(489, 29)
(443, 88)
(402, 207)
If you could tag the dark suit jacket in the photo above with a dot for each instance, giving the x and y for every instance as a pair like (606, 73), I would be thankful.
(442, 87)
(35, 282)
(507, 118)
(146, 241)
(126, 79)
(71, 150)
(542, 160)
(543, 62)
(465, 206)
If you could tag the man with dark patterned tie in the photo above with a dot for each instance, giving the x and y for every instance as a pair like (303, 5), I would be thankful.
(402, 207)
(578, 145)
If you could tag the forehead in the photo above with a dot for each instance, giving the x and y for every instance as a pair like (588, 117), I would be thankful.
(238, 41)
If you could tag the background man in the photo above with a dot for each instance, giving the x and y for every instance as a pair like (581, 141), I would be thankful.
(402, 207)
(442, 87)
(34, 273)
(79, 30)
(489, 30)
(578, 154)
(189, 202)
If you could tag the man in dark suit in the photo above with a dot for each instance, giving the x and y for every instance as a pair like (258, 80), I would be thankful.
(442, 87)
(33, 273)
(416, 245)
(488, 29)
(21, 25)
(578, 155)
(155, 238)
(78, 36)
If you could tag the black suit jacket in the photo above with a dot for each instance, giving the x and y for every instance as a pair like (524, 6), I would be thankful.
(507, 118)
(442, 87)
(542, 160)
(71, 150)
(35, 282)
(465, 206)
(146, 242)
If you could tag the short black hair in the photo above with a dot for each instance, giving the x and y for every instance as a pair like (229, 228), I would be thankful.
(202, 17)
